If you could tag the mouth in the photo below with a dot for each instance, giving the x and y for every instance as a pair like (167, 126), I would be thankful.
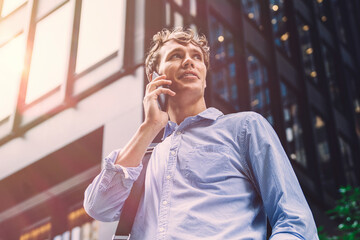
(189, 74)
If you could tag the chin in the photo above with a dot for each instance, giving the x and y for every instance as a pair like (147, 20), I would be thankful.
(190, 93)
(191, 89)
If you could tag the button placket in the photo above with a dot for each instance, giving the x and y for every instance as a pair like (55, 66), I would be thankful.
(167, 186)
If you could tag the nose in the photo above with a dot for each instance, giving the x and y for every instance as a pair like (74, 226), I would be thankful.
(188, 62)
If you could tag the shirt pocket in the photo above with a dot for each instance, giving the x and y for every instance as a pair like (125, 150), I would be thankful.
(207, 163)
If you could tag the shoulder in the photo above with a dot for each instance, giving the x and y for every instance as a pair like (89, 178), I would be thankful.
(247, 124)
(241, 123)
(243, 117)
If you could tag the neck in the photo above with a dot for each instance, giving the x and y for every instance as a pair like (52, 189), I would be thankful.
(178, 112)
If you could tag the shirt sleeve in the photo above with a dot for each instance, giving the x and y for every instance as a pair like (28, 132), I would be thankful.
(105, 196)
(276, 182)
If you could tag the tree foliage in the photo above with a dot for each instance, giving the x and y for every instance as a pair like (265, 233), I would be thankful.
(347, 213)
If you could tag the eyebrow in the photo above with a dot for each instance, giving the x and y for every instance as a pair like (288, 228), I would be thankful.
(179, 49)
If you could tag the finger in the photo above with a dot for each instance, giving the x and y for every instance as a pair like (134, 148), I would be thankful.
(154, 80)
(158, 77)
(155, 94)
(157, 83)
(164, 91)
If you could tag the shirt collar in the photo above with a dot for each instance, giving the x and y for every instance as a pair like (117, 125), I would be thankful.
(209, 113)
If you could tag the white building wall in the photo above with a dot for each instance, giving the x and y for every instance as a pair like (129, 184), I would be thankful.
(118, 107)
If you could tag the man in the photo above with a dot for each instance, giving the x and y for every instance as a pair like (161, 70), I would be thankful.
(214, 176)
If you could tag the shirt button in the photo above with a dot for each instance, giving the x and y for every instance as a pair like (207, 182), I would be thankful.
(161, 229)
(165, 202)
(173, 153)
(178, 132)
(168, 177)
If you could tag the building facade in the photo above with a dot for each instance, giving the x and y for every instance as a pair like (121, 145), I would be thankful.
(72, 81)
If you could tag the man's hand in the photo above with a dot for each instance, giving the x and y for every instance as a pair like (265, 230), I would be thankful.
(154, 117)
(155, 120)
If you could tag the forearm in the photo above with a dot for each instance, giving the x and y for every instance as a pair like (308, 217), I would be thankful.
(105, 196)
(285, 236)
(132, 154)
(273, 176)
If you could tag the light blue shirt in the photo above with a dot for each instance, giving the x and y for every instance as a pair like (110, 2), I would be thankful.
(214, 176)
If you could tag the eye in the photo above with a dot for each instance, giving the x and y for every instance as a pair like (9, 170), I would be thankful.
(175, 56)
(198, 56)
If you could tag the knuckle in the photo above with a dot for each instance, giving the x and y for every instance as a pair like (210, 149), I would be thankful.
(148, 86)
(146, 98)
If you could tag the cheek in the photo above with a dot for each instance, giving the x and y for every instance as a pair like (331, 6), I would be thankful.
(204, 72)
(204, 76)
(165, 69)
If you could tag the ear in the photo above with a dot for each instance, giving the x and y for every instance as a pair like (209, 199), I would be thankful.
(149, 77)
(205, 80)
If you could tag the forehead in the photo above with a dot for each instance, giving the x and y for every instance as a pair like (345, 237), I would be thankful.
(171, 45)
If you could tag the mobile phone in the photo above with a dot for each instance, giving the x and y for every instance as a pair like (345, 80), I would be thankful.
(163, 98)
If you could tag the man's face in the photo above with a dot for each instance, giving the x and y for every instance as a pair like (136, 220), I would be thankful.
(184, 65)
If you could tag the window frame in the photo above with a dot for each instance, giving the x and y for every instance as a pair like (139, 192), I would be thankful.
(319, 84)
(261, 27)
(293, 90)
(55, 90)
(337, 100)
(184, 11)
(250, 50)
(347, 167)
(74, 87)
(12, 11)
(232, 60)
(286, 6)
(37, 224)
(323, 181)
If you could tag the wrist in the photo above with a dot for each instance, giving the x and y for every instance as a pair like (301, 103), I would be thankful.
(152, 128)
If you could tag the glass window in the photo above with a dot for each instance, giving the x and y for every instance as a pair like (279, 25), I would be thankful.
(347, 159)
(50, 57)
(179, 2)
(194, 28)
(259, 87)
(294, 131)
(180, 13)
(58, 237)
(10, 5)
(167, 14)
(178, 19)
(224, 73)
(307, 50)
(323, 152)
(82, 226)
(11, 65)
(86, 231)
(100, 31)
(339, 21)
(252, 9)
(76, 233)
(330, 74)
(193, 7)
(323, 11)
(41, 232)
(63, 236)
(355, 97)
(279, 22)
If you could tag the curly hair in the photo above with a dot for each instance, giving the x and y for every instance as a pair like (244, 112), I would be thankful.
(182, 36)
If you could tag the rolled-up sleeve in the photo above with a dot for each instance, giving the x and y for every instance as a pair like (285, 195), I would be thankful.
(276, 182)
(105, 196)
